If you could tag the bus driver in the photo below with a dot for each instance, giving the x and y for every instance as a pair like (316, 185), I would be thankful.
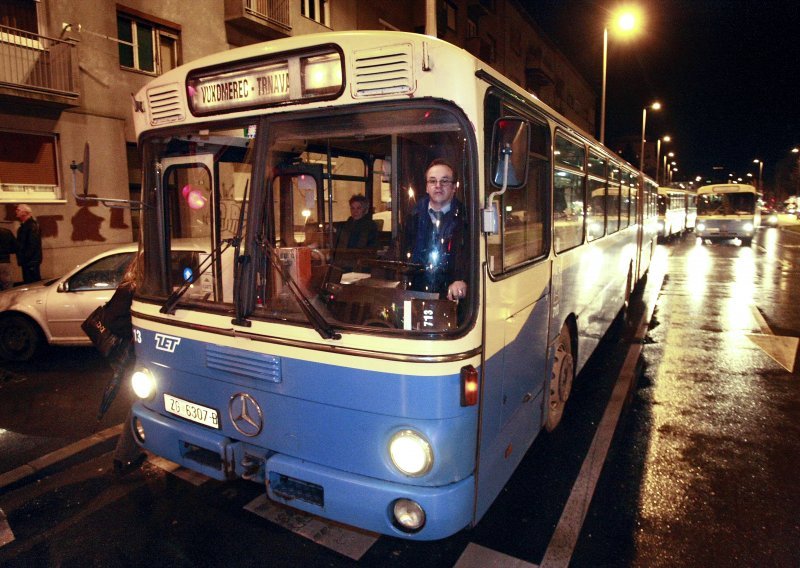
(436, 235)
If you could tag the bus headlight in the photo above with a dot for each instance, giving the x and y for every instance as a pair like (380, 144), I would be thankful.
(411, 453)
(701, 226)
(409, 516)
(143, 383)
(748, 227)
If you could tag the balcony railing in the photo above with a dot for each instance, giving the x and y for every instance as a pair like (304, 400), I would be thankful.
(274, 11)
(32, 62)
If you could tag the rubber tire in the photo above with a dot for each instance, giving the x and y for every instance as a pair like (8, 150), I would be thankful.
(19, 339)
(561, 378)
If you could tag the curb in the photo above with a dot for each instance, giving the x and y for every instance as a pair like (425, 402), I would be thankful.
(48, 460)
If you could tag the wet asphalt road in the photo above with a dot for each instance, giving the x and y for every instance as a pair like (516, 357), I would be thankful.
(701, 471)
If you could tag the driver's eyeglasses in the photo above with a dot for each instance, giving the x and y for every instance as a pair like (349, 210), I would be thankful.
(443, 182)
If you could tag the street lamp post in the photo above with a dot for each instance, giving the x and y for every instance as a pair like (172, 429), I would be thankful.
(760, 172)
(654, 106)
(625, 21)
(658, 155)
(666, 156)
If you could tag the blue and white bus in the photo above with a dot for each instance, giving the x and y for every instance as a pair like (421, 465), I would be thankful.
(324, 374)
(727, 211)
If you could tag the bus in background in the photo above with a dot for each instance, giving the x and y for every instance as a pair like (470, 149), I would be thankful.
(677, 211)
(331, 370)
(727, 211)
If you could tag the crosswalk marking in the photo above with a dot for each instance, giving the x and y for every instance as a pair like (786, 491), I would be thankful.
(348, 541)
(476, 556)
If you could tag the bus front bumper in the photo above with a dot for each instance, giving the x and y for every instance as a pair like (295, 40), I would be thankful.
(348, 498)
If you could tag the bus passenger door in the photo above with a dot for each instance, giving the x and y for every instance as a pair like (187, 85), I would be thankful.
(517, 313)
(195, 211)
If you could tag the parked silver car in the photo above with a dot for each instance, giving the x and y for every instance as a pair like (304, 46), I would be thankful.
(51, 311)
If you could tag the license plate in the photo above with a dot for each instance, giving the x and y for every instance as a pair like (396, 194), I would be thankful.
(191, 411)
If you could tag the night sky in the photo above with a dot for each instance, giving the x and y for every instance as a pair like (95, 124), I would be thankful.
(726, 71)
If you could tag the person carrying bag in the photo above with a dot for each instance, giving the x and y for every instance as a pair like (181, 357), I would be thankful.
(111, 330)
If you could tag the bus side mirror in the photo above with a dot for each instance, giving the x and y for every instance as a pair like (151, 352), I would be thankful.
(509, 164)
(510, 143)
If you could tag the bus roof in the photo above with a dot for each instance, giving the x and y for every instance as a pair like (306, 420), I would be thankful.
(726, 188)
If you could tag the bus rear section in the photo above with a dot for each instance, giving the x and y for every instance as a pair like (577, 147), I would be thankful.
(727, 211)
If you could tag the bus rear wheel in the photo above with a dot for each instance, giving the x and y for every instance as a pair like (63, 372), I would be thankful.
(560, 379)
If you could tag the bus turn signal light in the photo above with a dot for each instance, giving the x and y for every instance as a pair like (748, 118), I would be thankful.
(469, 386)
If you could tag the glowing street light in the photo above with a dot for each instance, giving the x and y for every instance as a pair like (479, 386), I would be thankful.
(655, 106)
(760, 172)
(625, 23)
(658, 154)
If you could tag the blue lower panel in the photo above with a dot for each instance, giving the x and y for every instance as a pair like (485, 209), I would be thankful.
(355, 500)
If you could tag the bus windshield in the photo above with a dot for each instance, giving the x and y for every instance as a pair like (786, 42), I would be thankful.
(726, 204)
(336, 228)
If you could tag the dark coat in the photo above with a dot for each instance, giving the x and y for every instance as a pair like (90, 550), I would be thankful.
(29, 243)
(360, 234)
(443, 253)
(117, 311)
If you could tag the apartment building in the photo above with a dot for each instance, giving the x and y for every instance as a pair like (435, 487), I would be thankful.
(68, 69)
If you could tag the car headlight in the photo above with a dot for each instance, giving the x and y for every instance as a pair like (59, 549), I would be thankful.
(701, 226)
(143, 383)
(411, 453)
(748, 227)
(772, 220)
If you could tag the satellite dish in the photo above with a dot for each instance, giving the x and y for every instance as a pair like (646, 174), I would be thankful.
(84, 167)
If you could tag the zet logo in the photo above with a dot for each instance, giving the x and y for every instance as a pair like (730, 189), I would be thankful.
(166, 342)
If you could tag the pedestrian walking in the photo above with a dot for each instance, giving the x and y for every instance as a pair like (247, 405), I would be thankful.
(29, 244)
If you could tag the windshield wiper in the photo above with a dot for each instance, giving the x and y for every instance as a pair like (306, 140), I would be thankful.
(316, 319)
(208, 262)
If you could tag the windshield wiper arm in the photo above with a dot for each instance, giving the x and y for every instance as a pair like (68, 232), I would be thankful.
(208, 262)
(316, 319)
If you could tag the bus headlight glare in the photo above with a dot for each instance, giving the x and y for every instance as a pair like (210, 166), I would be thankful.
(143, 383)
(411, 453)
(701, 226)
(748, 227)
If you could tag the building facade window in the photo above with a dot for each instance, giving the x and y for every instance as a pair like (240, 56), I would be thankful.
(317, 10)
(451, 17)
(146, 46)
(29, 167)
(20, 15)
(472, 28)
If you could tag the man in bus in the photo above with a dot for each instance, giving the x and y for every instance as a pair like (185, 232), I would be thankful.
(436, 235)
(359, 232)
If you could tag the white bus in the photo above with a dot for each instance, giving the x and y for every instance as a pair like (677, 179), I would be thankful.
(330, 377)
(727, 211)
(677, 211)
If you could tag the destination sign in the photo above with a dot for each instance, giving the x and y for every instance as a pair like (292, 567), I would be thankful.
(314, 75)
(245, 88)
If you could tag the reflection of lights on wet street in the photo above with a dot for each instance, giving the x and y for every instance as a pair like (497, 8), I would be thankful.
(697, 265)
(703, 385)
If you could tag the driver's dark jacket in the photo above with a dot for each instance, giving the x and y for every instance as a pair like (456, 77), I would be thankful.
(443, 253)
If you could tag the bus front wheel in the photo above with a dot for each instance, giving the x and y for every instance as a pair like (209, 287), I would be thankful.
(560, 379)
